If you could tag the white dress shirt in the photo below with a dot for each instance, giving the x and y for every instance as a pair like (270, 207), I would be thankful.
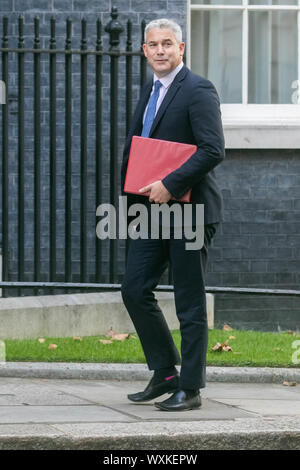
(166, 82)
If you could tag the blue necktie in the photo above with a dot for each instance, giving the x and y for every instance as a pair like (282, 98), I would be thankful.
(150, 114)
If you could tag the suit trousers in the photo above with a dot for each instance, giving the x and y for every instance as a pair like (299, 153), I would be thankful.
(146, 262)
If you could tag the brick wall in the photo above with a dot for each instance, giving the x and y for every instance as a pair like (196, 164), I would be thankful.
(258, 244)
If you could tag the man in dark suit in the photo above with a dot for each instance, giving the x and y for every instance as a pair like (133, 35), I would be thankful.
(175, 105)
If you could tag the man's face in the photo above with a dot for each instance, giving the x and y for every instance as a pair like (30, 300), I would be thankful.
(162, 50)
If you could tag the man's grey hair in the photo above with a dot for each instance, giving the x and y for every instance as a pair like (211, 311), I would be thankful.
(164, 23)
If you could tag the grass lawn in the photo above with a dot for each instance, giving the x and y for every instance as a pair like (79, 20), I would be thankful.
(249, 348)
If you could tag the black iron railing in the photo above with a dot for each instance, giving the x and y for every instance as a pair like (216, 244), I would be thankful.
(113, 52)
(162, 288)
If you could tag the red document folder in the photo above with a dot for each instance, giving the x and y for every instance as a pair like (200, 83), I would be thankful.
(153, 159)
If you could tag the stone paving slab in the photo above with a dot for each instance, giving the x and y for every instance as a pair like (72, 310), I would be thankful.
(107, 396)
(58, 414)
(267, 407)
(259, 391)
(96, 391)
(208, 410)
(25, 392)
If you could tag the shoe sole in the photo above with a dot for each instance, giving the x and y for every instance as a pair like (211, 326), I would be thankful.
(177, 409)
(153, 398)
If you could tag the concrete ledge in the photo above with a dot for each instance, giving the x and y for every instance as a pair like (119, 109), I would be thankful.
(95, 371)
(77, 314)
(241, 434)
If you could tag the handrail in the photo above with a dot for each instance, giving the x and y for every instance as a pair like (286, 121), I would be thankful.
(163, 288)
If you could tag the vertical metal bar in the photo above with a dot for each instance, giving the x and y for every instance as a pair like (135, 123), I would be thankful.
(143, 65)
(37, 154)
(68, 154)
(98, 140)
(83, 152)
(5, 252)
(129, 77)
(113, 155)
(21, 224)
(114, 28)
(52, 59)
(128, 96)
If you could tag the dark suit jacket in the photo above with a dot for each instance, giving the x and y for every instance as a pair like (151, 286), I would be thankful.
(190, 113)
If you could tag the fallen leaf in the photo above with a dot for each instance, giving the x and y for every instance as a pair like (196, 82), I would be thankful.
(121, 336)
(52, 346)
(231, 337)
(289, 384)
(111, 332)
(276, 349)
(219, 347)
(227, 328)
(42, 340)
(105, 341)
(77, 338)
(117, 336)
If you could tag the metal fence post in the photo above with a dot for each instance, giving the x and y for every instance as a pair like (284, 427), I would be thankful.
(21, 224)
(98, 139)
(5, 229)
(52, 70)
(68, 153)
(143, 65)
(114, 28)
(37, 153)
(83, 155)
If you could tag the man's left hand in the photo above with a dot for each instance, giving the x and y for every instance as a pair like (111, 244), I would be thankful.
(158, 192)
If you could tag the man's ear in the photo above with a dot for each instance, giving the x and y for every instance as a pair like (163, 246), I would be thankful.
(145, 49)
(182, 47)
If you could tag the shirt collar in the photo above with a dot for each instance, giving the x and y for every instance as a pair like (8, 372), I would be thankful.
(168, 79)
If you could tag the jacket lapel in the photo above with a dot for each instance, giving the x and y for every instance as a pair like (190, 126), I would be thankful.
(176, 84)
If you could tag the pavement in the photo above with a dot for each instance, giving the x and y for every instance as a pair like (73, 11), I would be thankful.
(84, 406)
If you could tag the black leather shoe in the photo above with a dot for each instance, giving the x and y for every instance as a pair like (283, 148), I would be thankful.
(154, 391)
(180, 401)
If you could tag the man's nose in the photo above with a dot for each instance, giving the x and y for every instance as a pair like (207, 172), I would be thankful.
(160, 49)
